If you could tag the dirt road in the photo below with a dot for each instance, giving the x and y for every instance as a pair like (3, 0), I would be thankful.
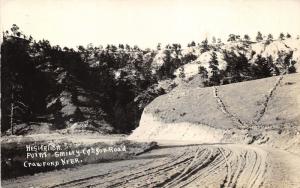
(212, 165)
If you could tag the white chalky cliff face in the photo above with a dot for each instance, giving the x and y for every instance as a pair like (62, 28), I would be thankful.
(152, 128)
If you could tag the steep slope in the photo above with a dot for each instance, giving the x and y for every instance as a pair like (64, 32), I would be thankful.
(45, 89)
(76, 107)
(68, 105)
(259, 111)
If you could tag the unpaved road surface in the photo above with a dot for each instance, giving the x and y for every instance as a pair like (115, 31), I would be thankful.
(211, 165)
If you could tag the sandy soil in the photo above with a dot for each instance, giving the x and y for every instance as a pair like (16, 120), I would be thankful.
(206, 165)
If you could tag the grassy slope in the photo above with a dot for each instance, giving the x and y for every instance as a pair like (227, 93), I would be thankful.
(245, 100)
(285, 106)
(195, 105)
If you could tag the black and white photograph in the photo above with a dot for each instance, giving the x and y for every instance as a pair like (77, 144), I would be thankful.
(150, 93)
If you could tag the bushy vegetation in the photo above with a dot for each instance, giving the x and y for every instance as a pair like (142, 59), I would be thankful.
(239, 69)
(35, 75)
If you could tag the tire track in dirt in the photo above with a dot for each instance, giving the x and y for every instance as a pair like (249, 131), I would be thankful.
(227, 180)
(157, 172)
(259, 169)
(188, 170)
(201, 164)
(90, 178)
(110, 174)
(152, 172)
(209, 166)
(127, 175)
(175, 174)
(234, 160)
(167, 174)
(213, 165)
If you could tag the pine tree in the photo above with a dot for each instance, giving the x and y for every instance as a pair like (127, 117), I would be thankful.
(204, 46)
(127, 47)
(283, 61)
(246, 38)
(203, 74)
(181, 73)
(281, 36)
(213, 65)
(231, 38)
(270, 37)
(15, 30)
(121, 46)
(192, 44)
(259, 37)
(113, 48)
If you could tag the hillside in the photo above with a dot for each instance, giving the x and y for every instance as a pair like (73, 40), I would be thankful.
(274, 50)
(49, 88)
(260, 111)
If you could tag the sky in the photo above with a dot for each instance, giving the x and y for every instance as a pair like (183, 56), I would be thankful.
(147, 22)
